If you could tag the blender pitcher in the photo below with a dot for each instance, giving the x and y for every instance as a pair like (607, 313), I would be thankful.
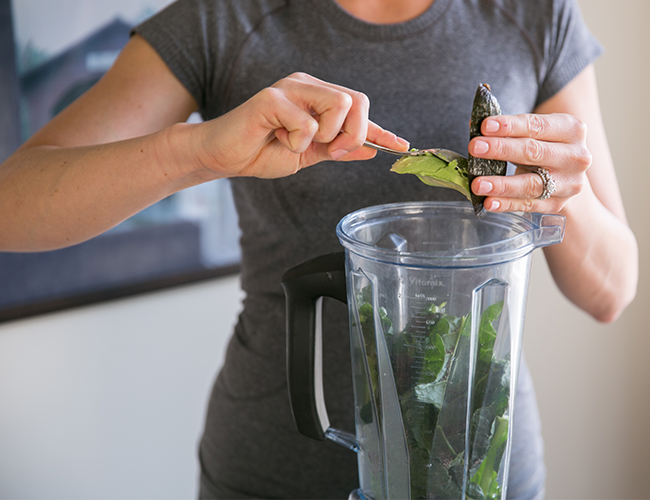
(436, 302)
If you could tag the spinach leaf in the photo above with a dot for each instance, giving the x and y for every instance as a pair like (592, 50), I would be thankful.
(435, 171)
(431, 369)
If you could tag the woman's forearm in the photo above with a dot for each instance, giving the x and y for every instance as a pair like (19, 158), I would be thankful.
(596, 266)
(52, 197)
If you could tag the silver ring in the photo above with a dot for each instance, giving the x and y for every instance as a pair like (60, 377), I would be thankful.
(547, 181)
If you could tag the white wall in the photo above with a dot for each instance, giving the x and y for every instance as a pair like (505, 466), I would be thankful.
(593, 380)
(107, 401)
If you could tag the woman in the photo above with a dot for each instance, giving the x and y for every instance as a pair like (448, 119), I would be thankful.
(123, 146)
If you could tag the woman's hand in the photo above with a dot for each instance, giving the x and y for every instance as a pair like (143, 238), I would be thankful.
(295, 123)
(555, 142)
(124, 145)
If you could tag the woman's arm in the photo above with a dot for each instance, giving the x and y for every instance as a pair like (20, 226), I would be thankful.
(596, 266)
(123, 146)
(82, 173)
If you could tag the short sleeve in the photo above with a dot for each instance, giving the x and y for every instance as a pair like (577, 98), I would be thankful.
(176, 35)
(569, 48)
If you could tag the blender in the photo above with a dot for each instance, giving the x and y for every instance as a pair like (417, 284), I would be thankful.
(436, 300)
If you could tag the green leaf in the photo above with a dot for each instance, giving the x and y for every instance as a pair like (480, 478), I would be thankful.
(386, 322)
(440, 484)
(435, 355)
(486, 476)
(365, 313)
(441, 327)
(435, 171)
(492, 312)
(487, 334)
(431, 393)
(451, 339)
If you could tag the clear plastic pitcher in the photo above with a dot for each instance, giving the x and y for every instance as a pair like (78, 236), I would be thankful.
(436, 302)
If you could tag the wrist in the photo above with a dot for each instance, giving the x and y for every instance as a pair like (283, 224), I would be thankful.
(181, 148)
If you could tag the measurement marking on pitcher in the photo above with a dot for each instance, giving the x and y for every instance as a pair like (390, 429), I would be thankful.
(424, 297)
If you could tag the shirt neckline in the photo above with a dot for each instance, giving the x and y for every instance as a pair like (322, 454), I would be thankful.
(344, 20)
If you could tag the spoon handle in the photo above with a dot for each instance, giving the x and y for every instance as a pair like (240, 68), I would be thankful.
(389, 150)
(444, 154)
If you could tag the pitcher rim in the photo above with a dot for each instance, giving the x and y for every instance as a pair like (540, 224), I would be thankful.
(540, 230)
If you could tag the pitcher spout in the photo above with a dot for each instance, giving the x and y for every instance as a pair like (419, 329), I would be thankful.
(550, 229)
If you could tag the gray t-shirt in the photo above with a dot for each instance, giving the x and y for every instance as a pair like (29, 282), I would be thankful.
(420, 76)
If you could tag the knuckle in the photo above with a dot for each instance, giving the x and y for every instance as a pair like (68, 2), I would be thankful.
(342, 102)
(348, 100)
(270, 93)
(578, 185)
(536, 125)
(500, 187)
(533, 186)
(362, 100)
(580, 127)
(299, 75)
(584, 157)
(310, 126)
(288, 81)
(498, 148)
(533, 151)
(528, 204)
(357, 137)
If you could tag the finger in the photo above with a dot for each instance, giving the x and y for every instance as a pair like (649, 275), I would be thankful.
(517, 193)
(318, 152)
(342, 117)
(386, 138)
(528, 185)
(552, 205)
(532, 152)
(379, 136)
(331, 108)
(357, 154)
(557, 127)
(337, 109)
(354, 129)
(522, 192)
(294, 127)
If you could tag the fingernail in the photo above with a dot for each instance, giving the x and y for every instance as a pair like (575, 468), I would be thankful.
(338, 153)
(481, 147)
(484, 187)
(494, 205)
(491, 125)
(403, 141)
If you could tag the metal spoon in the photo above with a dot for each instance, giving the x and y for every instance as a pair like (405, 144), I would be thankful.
(444, 154)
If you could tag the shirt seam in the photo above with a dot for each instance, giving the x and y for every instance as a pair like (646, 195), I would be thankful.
(540, 64)
(173, 63)
(234, 67)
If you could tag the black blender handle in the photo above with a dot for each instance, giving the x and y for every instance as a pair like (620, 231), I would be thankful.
(304, 285)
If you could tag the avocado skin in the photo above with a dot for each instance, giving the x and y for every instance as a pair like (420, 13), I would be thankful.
(485, 104)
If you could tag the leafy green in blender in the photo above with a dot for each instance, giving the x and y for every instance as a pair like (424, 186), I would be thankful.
(367, 323)
(431, 368)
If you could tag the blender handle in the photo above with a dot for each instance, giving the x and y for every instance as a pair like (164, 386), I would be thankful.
(304, 286)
